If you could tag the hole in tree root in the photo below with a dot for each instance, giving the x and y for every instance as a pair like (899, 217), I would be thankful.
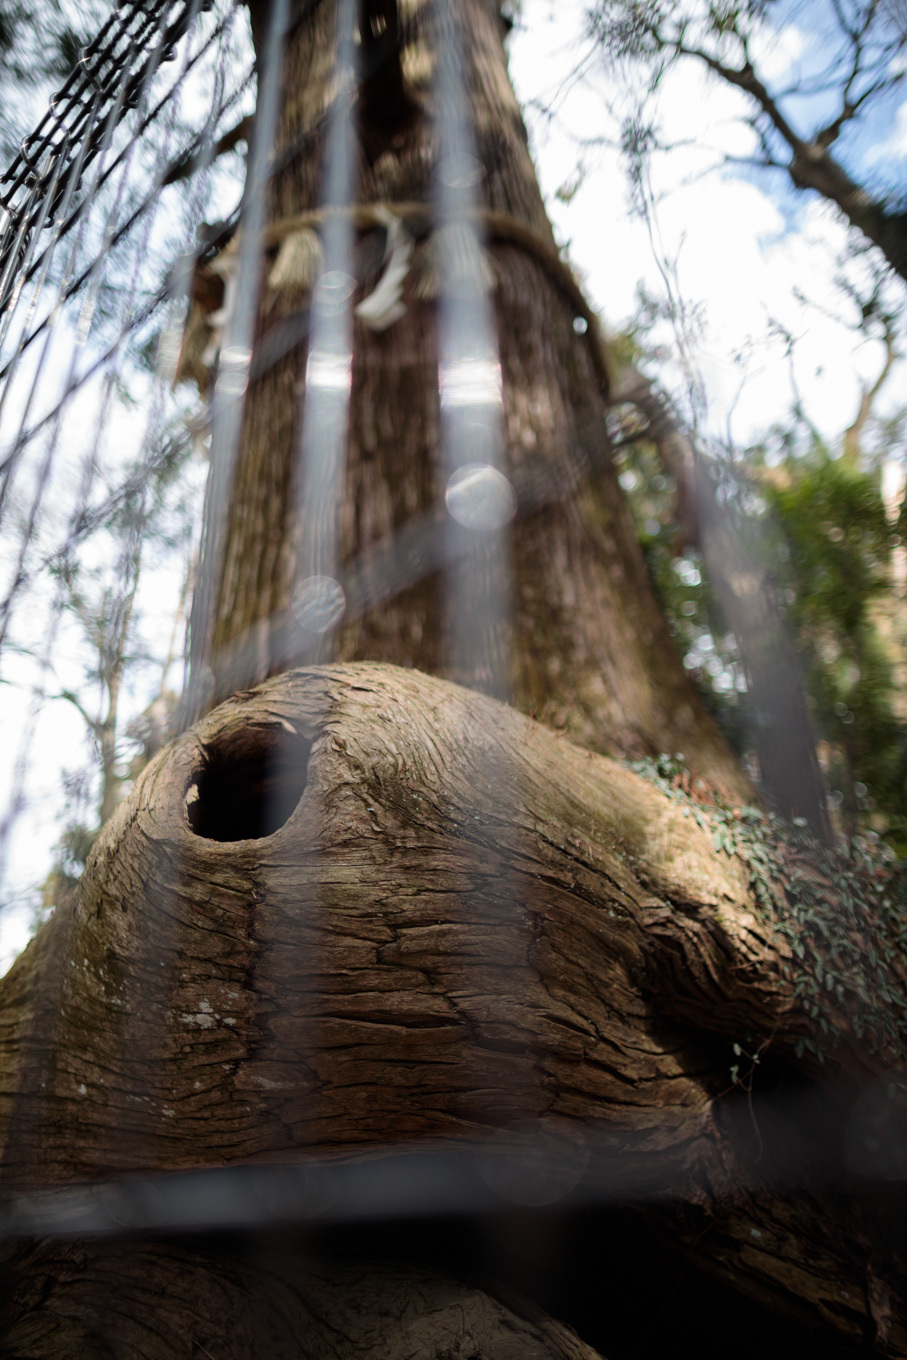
(249, 784)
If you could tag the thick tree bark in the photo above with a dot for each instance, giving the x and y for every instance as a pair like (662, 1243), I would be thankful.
(748, 594)
(104, 1303)
(438, 836)
(589, 652)
(360, 908)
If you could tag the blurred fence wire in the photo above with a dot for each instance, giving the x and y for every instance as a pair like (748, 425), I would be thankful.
(107, 210)
(103, 213)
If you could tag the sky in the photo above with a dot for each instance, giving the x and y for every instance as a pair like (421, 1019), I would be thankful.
(754, 261)
(744, 244)
(59, 745)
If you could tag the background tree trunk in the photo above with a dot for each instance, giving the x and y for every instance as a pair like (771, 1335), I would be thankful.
(748, 592)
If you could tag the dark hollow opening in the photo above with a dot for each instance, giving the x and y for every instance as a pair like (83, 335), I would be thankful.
(248, 786)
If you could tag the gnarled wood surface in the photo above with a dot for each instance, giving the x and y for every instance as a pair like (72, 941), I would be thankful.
(275, 1307)
(433, 922)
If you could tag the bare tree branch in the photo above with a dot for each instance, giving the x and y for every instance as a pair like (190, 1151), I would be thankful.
(865, 73)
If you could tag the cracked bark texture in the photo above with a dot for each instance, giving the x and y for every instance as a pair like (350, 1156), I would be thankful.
(436, 925)
(277, 1307)
(588, 650)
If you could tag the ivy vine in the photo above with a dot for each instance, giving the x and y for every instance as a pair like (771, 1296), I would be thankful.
(843, 911)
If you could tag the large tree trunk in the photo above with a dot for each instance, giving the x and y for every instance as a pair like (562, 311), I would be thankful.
(590, 652)
(360, 917)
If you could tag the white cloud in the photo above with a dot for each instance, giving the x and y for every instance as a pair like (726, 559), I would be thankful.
(895, 144)
(736, 253)
(776, 54)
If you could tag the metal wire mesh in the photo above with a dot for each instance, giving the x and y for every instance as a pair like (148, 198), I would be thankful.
(81, 209)
(103, 206)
